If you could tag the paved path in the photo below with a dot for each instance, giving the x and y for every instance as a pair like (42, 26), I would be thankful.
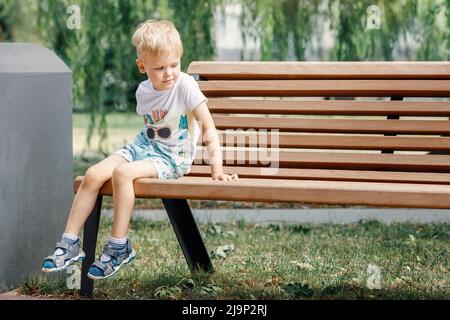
(314, 216)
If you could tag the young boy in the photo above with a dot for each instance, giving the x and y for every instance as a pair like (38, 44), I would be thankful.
(174, 111)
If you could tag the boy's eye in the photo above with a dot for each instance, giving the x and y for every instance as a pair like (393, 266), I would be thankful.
(172, 66)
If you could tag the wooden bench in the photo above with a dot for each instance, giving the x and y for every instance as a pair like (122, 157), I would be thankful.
(390, 152)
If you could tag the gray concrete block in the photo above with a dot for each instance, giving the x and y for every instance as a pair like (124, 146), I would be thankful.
(35, 157)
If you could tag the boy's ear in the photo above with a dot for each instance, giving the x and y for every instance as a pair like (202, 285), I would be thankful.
(140, 65)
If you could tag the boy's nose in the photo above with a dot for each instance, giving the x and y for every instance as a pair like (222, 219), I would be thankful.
(168, 72)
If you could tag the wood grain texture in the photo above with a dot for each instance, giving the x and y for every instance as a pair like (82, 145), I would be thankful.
(338, 192)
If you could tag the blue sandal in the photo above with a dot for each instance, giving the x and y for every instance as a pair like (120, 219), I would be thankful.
(102, 270)
(71, 253)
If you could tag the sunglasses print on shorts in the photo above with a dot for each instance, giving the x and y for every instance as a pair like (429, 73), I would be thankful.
(163, 133)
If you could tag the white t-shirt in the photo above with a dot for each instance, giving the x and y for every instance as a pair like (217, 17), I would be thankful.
(172, 108)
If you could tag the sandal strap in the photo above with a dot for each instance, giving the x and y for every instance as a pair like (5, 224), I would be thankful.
(63, 245)
(105, 268)
(67, 246)
(57, 260)
(116, 253)
(69, 251)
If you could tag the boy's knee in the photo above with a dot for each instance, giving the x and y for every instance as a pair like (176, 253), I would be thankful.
(93, 177)
(121, 173)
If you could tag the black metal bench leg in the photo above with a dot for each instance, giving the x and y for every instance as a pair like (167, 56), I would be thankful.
(90, 232)
(187, 233)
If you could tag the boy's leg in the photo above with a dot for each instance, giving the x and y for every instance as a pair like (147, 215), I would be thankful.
(118, 251)
(123, 192)
(86, 196)
(68, 250)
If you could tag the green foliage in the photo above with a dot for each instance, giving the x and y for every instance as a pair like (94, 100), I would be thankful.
(349, 27)
(194, 21)
(7, 8)
(434, 30)
(102, 57)
(101, 54)
(272, 23)
(446, 35)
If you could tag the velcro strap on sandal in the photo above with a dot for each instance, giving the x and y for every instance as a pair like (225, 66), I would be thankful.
(116, 253)
(57, 260)
(64, 245)
(106, 268)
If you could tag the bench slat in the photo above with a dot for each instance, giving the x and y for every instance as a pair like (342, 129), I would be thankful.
(322, 160)
(242, 138)
(322, 192)
(437, 127)
(329, 175)
(330, 107)
(212, 70)
(325, 88)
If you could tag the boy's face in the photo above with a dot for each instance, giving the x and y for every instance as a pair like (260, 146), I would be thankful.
(162, 71)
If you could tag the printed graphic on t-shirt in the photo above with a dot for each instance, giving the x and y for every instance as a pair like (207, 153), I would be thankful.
(159, 129)
(170, 136)
(155, 116)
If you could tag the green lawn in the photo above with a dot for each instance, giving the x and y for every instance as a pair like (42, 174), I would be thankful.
(278, 262)
(122, 127)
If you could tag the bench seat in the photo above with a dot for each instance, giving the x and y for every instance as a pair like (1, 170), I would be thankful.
(309, 191)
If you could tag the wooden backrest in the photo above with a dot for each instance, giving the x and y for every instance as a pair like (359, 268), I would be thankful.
(375, 116)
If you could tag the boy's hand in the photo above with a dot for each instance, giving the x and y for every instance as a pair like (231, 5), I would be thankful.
(220, 176)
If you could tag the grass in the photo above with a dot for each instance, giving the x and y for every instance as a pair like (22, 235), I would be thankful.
(278, 262)
(122, 128)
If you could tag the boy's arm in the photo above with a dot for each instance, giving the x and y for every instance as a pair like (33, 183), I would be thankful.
(211, 139)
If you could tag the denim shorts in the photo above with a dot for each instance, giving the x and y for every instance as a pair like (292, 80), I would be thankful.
(165, 168)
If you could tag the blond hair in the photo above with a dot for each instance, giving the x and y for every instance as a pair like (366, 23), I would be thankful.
(157, 38)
